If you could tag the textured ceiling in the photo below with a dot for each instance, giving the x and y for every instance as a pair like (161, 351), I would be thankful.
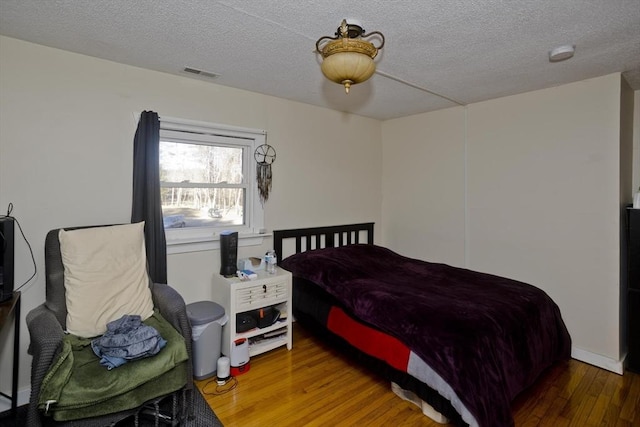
(464, 50)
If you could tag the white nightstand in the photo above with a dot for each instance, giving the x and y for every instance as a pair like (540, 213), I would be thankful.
(241, 296)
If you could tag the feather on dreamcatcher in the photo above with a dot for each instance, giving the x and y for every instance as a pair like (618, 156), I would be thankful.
(264, 155)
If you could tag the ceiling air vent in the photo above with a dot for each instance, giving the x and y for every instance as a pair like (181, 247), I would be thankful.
(201, 73)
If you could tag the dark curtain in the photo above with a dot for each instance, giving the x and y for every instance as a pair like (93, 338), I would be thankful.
(146, 204)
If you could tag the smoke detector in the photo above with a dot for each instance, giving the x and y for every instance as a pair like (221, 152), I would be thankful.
(561, 53)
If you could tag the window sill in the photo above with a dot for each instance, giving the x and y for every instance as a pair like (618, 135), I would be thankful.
(197, 244)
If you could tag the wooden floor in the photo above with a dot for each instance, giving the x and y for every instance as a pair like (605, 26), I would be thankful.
(312, 385)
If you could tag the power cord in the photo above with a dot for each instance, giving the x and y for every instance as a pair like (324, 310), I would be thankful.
(33, 260)
(220, 388)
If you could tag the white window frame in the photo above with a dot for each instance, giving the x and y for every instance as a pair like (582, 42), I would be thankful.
(193, 239)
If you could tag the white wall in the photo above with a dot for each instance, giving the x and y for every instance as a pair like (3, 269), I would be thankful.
(540, 192)
(636, 141)
(423, 207)
(66, 142)
(544, 200)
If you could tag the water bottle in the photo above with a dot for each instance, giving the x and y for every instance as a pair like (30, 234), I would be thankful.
(271, 261)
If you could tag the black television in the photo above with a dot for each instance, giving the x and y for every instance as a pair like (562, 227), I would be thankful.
(6, 257)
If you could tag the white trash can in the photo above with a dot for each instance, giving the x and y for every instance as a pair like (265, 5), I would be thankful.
(207, 319)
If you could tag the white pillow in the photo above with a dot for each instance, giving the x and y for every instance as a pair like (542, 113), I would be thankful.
(105, 276)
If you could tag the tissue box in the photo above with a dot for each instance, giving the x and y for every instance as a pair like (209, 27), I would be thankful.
(252, 263)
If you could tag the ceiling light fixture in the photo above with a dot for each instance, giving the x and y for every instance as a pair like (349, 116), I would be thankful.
(348, 57)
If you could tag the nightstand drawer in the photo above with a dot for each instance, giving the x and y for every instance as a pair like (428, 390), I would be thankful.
(261, 295)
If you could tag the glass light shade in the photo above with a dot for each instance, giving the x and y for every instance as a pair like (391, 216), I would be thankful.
(348, 68)
(348, 61)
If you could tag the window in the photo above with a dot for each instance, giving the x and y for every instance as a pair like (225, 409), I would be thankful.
(208, 183)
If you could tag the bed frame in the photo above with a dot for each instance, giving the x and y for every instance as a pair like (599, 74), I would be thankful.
(349, 234)
(323, 237)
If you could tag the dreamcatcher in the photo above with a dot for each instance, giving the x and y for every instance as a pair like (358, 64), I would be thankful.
(264, 155)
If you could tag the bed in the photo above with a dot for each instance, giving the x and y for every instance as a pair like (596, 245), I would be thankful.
(461, 344)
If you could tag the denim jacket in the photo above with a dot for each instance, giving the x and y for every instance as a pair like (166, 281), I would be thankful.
(127, 338)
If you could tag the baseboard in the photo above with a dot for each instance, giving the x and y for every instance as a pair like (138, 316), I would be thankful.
(23, 399)
(615, 366)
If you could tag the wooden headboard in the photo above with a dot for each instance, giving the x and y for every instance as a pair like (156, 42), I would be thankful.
(322, 237)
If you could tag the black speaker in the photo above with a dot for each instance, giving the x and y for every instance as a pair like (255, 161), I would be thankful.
(633, 290)
(6, 258)
(228, 253)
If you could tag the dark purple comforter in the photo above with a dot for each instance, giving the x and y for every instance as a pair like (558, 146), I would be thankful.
(488, 337)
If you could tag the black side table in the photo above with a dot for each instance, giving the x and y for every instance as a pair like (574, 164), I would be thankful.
(8, 309)
(633, 290)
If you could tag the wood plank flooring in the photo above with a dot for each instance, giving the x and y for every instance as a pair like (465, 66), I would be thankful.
(313, 385)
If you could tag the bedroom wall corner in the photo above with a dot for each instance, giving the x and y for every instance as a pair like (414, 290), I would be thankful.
(535, 179)
(626, 195)
(423, 186)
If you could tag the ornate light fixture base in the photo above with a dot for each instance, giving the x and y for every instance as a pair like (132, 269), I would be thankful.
(348, 57)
